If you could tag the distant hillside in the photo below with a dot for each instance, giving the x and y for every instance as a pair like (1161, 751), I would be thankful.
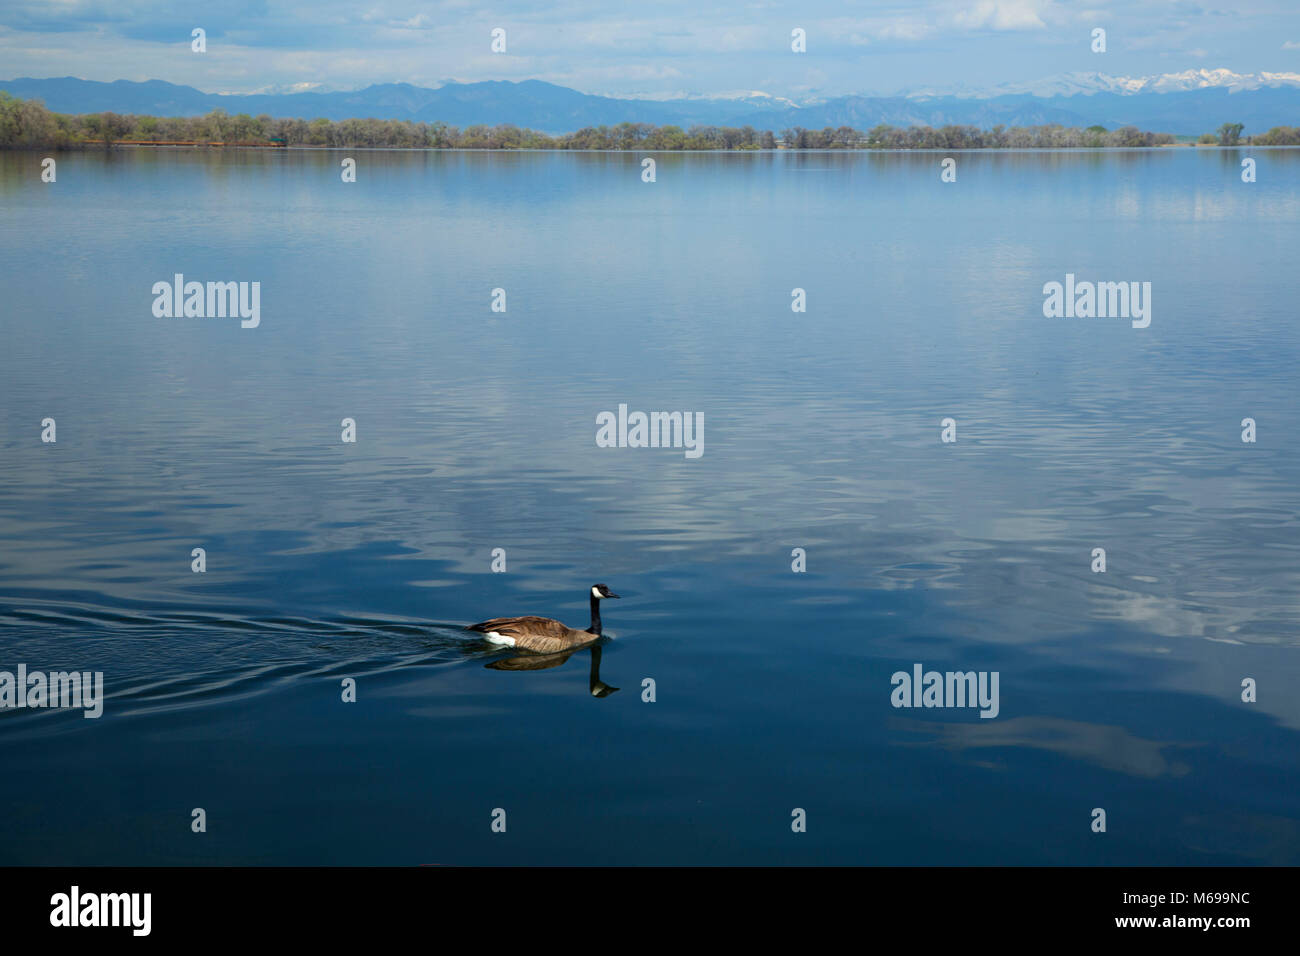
(531, 103)
(557, 110)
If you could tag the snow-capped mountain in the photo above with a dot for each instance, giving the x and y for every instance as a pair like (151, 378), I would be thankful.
(755, 98)
(279, 89)
(1087, 83)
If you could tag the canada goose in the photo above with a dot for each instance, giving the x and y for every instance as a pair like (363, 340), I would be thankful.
(541, 633)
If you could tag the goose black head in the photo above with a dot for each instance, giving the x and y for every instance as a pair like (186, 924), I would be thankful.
(600, 592)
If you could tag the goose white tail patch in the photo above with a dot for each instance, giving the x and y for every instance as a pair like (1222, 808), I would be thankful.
(496, 638)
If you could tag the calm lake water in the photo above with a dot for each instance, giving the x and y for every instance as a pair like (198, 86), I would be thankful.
(476, 431)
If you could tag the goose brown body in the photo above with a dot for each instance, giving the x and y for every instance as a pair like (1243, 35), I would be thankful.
(541, 634)
(545, 635)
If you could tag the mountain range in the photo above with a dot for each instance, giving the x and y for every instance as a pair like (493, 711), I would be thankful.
(1070, 84)
(1188, 103)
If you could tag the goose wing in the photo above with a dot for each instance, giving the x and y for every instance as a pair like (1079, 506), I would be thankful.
(523, 627)
(539, 634)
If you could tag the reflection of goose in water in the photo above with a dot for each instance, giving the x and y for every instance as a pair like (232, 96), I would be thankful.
(540, 662)
(542, 634)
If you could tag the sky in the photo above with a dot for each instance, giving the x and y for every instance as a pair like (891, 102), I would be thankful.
(657, 48)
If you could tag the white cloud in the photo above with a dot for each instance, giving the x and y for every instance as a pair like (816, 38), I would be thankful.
(1001, 15)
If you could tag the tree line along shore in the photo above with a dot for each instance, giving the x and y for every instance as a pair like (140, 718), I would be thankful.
(27, 124)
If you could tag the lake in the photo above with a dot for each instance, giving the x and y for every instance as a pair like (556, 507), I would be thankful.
(475, 429)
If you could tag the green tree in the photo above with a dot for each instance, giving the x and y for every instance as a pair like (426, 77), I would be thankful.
(1230, 134)
(26, 123)
(108, 127)
(1281, 136)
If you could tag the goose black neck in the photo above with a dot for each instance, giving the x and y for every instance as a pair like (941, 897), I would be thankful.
(595, 615)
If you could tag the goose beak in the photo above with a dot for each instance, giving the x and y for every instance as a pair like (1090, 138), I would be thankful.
(611, 594)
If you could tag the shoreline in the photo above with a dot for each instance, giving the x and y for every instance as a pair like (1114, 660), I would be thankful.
(91, 147)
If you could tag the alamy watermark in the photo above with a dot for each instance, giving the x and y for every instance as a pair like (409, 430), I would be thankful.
(1086, 300)
(653, 430)
(195, 300)
(76, 908)
(922, 688)
(80, 689)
